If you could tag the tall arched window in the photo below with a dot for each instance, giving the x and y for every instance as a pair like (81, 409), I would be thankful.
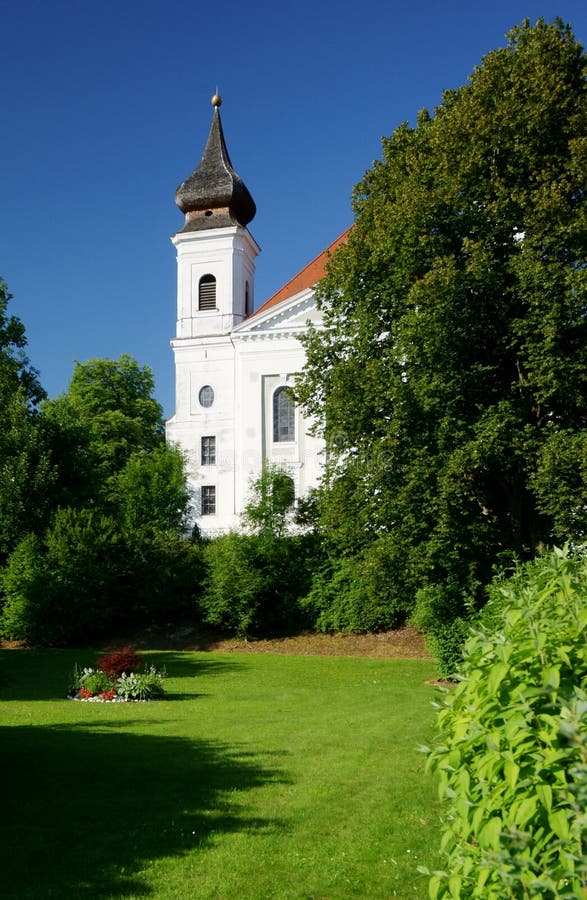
(248, 309)
(284, 418)
(207, 292)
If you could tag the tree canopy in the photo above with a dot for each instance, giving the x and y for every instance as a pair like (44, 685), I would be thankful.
(93, 510)
(16, 372)
(450, 379)
(27, 472)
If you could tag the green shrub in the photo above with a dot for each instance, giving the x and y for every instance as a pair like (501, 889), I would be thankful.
(95, 682)
(25, 612)
(512, 747)
(162, 579)
(353, 593)
(447, 643)
(254, 582)
(232, 583)
(67, 587)
(436, 604)
(145, 685)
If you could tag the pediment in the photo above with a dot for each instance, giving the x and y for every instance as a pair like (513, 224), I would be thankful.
(292, 315)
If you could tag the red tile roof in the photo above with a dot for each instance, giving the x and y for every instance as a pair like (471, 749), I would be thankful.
(308, 277)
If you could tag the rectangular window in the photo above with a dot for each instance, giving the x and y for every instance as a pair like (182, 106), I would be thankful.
(208, 451)
(208, 500)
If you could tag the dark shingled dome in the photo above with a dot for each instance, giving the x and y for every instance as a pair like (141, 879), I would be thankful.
(214, 196)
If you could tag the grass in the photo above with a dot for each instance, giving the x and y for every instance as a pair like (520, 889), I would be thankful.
(262, 776)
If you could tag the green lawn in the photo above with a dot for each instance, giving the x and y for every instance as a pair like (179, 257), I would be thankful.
(261, 776)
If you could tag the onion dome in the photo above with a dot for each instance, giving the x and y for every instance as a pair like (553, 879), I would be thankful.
(214, 196)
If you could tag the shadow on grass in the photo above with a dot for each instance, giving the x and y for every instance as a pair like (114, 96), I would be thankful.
(84, 811)
(45, 674)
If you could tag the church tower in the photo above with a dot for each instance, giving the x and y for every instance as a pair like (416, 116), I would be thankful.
(215, 290)
(215, 252)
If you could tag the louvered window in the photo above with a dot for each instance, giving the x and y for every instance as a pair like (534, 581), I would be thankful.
(207, 292)
(284, 417)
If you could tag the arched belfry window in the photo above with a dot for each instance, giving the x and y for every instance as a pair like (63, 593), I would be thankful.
(284, 418)
(207, 292)
(248, 309)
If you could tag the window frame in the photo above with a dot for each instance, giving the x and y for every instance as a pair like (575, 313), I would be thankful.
(208, 450)
(208, 500)
(283, 390)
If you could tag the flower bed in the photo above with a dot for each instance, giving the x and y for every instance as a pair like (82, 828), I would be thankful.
(118, 677)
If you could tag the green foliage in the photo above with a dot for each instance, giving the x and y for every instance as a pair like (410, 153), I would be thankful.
(451, 374)
(16, 373)
(24, 612)
(84, 580)
(129, 684)
(93, 681)
(446, 641)
(67, 586)
(286, 565)
(443, 615)
(272, 498)
(109, 415)
(232, 585)
(150, 493)
(145, 685)
(27, 470)
(254, 583)
(94, 507)
(355, 593)
(512, 748)
(163, 576)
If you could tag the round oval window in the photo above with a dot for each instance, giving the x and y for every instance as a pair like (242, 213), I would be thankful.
(206, 396)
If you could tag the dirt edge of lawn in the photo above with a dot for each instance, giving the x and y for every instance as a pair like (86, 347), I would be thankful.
(403, 643)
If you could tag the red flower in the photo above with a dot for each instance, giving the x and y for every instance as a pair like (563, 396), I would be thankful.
(108, 695)
(85, 694)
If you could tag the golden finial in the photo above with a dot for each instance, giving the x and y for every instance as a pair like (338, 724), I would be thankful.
(216, 99)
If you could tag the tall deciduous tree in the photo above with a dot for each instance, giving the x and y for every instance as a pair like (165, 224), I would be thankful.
(15, 369)
(111, 552)
(110, 413)
(27, 472)
(451, 377)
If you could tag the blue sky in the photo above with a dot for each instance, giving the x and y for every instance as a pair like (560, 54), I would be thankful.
(106, 108)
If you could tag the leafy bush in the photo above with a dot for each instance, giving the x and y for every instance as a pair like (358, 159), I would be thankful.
(254, 582)
(436, 604)
(91, 682)
(270, 502)
(85, 580)
(140, 685)
(118, 661)
(163, 577)
(66, 587)
(353, 593)
(447, 643)
(512, 749)
(232, 584)
(117, 677)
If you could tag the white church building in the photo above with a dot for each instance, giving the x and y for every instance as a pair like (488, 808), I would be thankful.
(234, 366)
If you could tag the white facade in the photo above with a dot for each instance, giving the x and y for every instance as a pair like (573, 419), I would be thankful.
(230, 365)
